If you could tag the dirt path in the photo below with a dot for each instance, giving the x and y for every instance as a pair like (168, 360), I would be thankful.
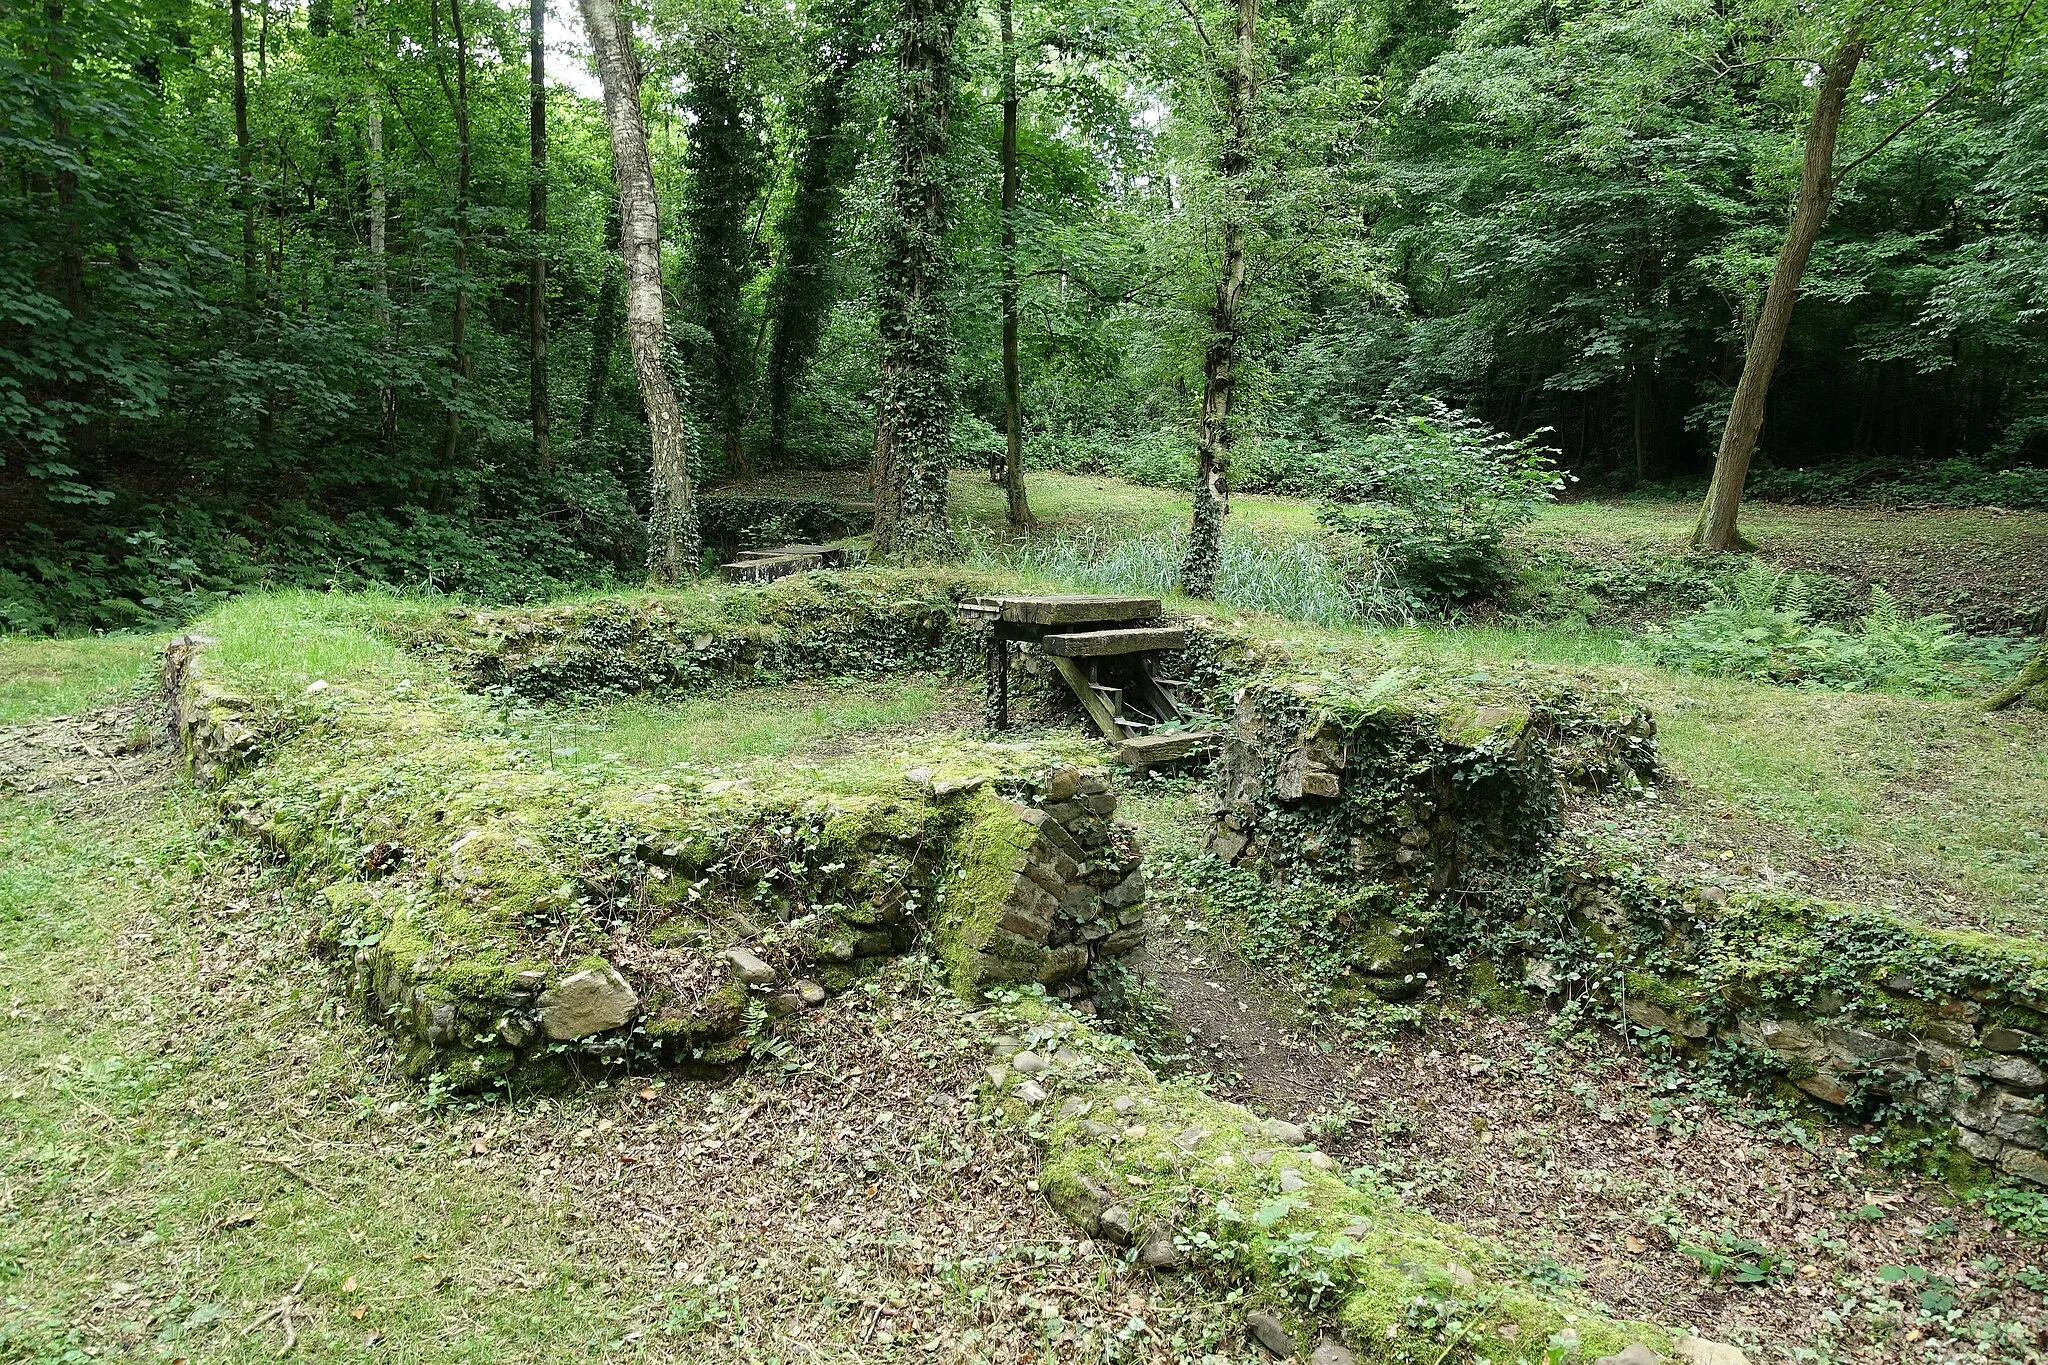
(88, 763)
(1597, 1168)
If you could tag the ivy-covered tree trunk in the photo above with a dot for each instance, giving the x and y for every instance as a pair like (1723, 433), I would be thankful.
(245, 179)
(458, 326)
(800, 296)
(2030, 688)
(673, 537)
(914, 412)
(380, 283)
(1817, 184)
(537, 225)
(725, 175)
(604, 329)
(1013, 387)
(1219, 361)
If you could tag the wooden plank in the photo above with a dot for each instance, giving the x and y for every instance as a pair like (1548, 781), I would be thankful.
(1141, 750)
(1084, 688)
(767, 570)
(1076, 609)
(1096, 644)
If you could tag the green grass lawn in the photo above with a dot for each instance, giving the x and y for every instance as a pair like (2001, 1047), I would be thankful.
(57, 677)
(1929, 806)
(761, 723)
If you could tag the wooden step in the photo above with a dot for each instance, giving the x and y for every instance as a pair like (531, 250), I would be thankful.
(1098, 644)
(1063, 609)
(831, 556)
(769, 569)
(1143, 750)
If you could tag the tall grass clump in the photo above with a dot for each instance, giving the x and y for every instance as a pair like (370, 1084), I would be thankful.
(1289, 576)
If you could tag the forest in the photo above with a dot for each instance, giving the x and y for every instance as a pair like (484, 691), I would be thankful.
(302, 294)
(1130, 682)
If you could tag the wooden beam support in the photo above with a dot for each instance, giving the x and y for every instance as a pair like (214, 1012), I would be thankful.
(1095, 644)
(1084, 688)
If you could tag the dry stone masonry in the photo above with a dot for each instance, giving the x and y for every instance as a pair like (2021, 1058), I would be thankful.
(508, 921)
(1869, 1017)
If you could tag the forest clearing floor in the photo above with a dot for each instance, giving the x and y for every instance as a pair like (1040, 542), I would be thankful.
(208, 1158)
(1987, 567)
(1599, 1166)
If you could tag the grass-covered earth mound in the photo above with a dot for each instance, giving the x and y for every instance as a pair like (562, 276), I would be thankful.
(726, 886)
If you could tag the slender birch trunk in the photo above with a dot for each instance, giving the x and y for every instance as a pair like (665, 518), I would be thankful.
(673, 543)
(1013, 388)
(373, 139)
(537, 225)
(1219, 362)
(458, 332)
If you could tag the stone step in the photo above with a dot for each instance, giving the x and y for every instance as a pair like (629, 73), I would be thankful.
(1143, 750)
(1100, 644)
(1062, 609)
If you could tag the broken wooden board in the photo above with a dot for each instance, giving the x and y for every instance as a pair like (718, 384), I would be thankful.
(1064, 609)
(1092, 702)
(832, 556)
(768, 570)
(1096, 644)
(1144, 750)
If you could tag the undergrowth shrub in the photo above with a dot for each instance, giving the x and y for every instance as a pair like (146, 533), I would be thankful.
(1762, 627)
(1434, 495)
(1940, 483)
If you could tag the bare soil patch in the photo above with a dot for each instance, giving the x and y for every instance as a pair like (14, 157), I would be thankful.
(1598, 1167)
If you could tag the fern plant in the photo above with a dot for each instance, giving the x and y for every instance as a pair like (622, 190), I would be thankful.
(1761, 627)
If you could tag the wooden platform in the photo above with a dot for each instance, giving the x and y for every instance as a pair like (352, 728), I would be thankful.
(1144, 750)
(1102, 643)
(780, 561)
(1109, 670)
(1061, 609)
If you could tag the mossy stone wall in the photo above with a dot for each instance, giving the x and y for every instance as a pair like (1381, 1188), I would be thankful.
(514, 924)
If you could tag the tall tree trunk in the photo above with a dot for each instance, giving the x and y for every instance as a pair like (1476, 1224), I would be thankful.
(71, 253)
(1817, 184)
(373, 136)
(725, 176)
(537, 225)
(387, 397)
(913, 419)
(1645, 423)
(458, 329)
(1219, 362)
(604, 330)
(801, 293)
(673, 543)
(245, 188)
(1013, 389)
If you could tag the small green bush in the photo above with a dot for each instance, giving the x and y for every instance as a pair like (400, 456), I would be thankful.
(1762, 627)
(1434, 494)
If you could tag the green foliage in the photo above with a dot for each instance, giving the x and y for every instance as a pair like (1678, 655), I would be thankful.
(726, 169)
(1738, 1260)
(1320, 938)
(1435, 495)
(737, 522)
(1941, 483)
(1762, 628)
